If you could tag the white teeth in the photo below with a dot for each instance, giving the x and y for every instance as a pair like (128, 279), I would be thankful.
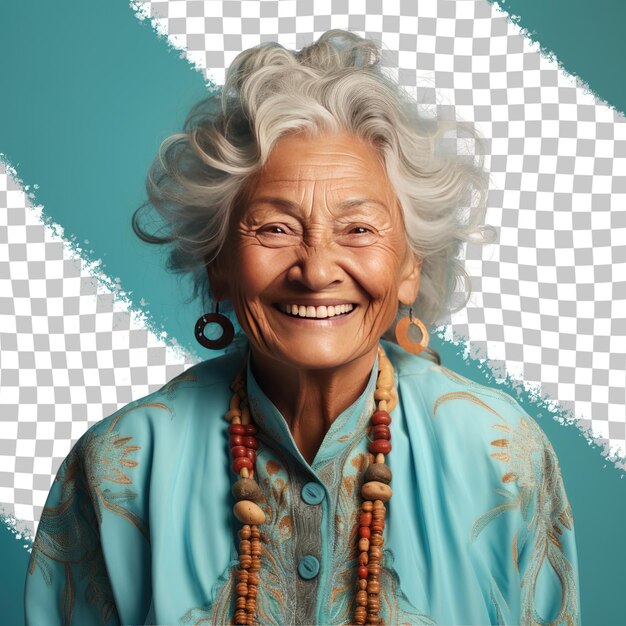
(319, 312)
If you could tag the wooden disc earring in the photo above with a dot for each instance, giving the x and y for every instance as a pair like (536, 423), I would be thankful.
(228, 330)
(402, 334)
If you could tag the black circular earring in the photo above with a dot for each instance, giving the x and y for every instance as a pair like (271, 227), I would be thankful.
(228, 330)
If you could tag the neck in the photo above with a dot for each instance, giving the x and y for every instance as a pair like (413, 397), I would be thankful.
(309, 399)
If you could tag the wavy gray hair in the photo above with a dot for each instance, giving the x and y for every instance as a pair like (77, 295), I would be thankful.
(337, 83)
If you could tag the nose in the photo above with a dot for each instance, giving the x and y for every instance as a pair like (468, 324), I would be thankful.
(317, 268)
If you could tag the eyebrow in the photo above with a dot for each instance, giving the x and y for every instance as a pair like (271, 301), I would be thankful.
(294, 207)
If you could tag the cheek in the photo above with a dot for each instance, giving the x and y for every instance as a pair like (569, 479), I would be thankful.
(378, 271)
(255, 269)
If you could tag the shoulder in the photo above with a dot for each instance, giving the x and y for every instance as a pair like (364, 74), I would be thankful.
(445, 393)
(471, 422)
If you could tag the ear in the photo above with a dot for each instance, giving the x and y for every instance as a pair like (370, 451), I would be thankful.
(410, 279)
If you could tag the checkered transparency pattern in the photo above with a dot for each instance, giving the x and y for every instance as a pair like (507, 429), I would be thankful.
(71, 352)
(549, 299)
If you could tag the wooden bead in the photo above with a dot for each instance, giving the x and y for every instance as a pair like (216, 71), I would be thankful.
(361, 584)
(245, 560)
(374, 570)
(242, 575)
(376, 490)
(253, 581)
(381, 432)
(360, 614)
(378, 472)
(241, 589)
(365, 519)
(364, 545)
(361, 597)
(251, 442)
(380, 446)
(381, 417)
(376, 554)
(244, 546)
(235, 440)
(373, 586)
(382, 394)
(238, 451)
(363, 558)
(246, 489)
(241, 463)
(367, 506)
(248, 512)
(244, 533)
(255, 533)
(376, 540)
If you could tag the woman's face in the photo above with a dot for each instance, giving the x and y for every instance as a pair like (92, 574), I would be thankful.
(317, 260)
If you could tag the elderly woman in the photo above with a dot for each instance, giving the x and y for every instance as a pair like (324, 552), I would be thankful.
(311, 196)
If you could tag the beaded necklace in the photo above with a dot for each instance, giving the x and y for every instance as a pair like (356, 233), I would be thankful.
(371, 520)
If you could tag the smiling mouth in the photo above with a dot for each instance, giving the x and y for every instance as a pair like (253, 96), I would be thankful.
(316, 312)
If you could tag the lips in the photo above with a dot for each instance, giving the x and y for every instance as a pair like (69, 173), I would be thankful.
(315, 312)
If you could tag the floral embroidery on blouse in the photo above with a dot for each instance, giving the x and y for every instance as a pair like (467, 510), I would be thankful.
(69, 533)
(540, 497)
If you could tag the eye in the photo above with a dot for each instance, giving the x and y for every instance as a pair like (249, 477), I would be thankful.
(360, 230)
(273, 229)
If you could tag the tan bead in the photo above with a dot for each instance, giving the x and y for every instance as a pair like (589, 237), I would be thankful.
(362, 584)
(246, 489)
(363, 558)
(367, 506)
(379, 505)
(382, 394)
(361, 597)
(376, 540)
(376, 553)
(376, 490)
(374, 570)
(378, 472)
(373, 586)
(364, 544)
(360, 614)
(248, 512)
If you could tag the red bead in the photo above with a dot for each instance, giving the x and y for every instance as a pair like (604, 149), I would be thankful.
(365, 519)
(364, 532)
(363, 572)
(238, 451)
(381, 417)
(251, 454)
(240, 463)
(382, 432)
(251, 442)
(250, 429)
(235, 440)
(380, 446)
(237, 429)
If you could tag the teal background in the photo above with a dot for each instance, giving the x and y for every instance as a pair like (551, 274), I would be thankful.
(89, 91)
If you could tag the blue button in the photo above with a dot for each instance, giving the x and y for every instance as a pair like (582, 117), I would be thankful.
(312, 493)
(308, 567)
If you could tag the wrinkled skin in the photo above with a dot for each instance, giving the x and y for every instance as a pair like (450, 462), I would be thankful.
(321, 225)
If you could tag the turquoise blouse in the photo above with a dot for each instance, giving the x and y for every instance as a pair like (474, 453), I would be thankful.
(138, 526)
